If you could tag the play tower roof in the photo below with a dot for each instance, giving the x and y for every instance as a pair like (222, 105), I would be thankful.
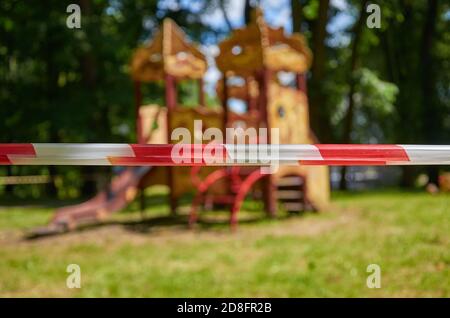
(259, 46)
(168, 53)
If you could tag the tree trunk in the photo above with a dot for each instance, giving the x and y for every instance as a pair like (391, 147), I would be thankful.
(296, 13)
(320, 121)
(401, 70)
(51, 89)
(247, 12)
(348, 119)
(89, 78)
(430, 114)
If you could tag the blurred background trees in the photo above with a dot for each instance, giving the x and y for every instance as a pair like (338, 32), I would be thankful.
(386, 85)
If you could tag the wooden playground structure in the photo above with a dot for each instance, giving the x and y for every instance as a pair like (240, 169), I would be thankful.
(250, 61)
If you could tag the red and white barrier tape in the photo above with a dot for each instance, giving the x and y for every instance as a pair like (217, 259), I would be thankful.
(222, 154)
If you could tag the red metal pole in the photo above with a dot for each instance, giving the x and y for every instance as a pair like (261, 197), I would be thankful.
(250, 100)
(269, 187)
(201, 93)
(225, 102)
(171, 100)
(301, 82)
(228, 183)
(138, 102)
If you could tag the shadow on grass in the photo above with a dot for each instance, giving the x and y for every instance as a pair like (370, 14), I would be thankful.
(146, 224)
(157, 203)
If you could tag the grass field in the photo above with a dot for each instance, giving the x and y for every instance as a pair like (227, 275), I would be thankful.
(314, 255)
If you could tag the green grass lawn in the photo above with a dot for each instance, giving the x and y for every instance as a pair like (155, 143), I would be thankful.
(315, 255)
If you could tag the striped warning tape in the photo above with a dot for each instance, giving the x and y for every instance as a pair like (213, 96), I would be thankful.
(222, 154)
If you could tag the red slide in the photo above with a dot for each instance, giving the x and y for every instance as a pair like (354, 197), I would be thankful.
(119, 193)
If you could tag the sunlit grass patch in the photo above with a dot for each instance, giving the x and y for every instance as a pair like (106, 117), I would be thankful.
(323, 254)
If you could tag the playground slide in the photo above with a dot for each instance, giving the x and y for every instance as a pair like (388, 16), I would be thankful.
(119, 193)
(122, 189)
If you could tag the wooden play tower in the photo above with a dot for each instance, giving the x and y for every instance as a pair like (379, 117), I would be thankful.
(258, 56)
(252, 61)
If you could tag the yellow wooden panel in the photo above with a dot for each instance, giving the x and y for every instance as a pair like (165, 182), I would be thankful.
(318, 186)
(288, 111)
(154, 123)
